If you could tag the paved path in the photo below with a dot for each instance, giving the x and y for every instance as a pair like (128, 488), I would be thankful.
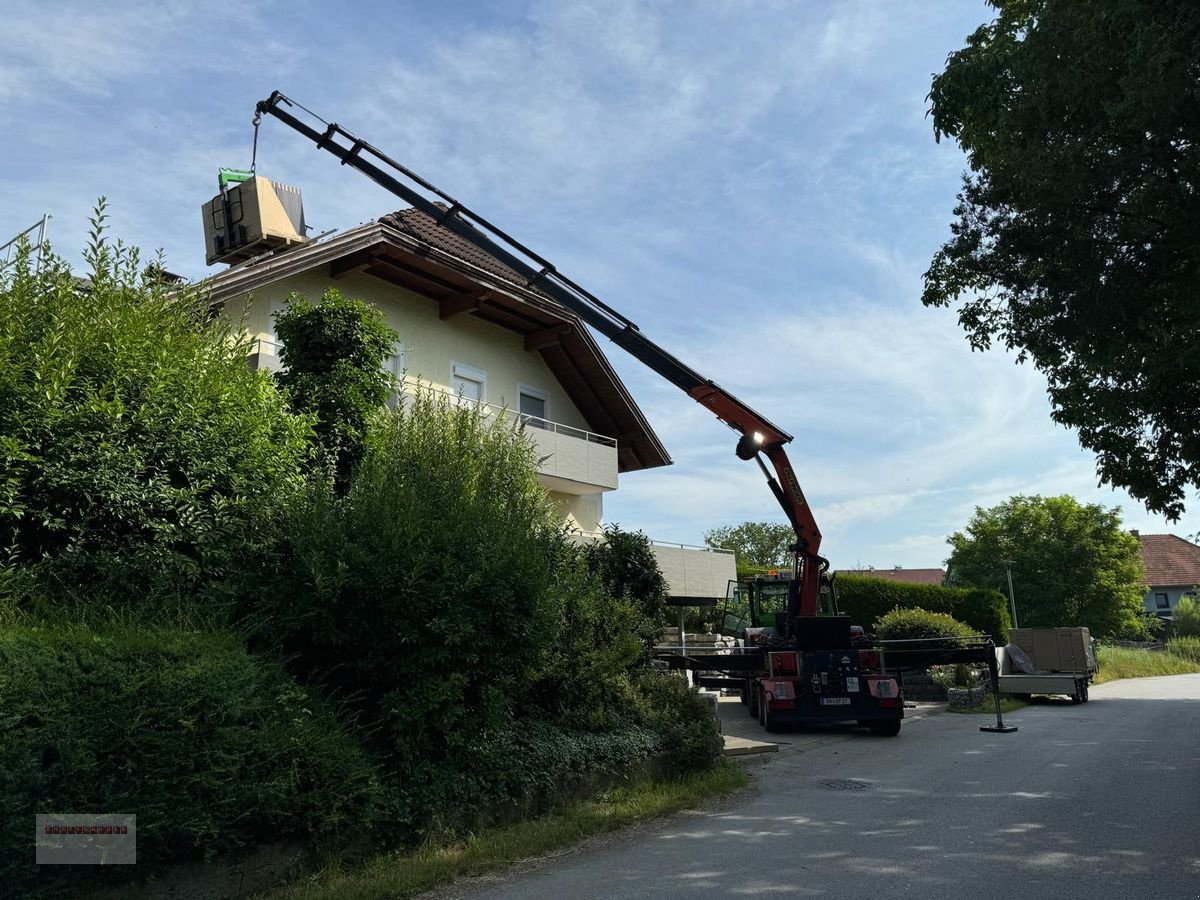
(1094, 801)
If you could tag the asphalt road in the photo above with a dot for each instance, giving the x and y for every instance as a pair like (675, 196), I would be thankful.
(1094, 801)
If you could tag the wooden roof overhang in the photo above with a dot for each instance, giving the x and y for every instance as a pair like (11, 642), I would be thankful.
(462, 287)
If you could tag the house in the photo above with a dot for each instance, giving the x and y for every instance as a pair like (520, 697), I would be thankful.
(1172, 570)
(469, 326)
(896, 573)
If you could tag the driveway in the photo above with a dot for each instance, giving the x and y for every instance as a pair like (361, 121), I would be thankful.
(1094, 801)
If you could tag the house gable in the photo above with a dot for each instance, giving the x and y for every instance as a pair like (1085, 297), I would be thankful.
(469, 294)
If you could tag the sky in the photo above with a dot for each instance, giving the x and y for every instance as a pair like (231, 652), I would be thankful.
(756, 184)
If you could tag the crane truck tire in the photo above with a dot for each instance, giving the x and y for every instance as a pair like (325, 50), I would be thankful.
(886, 728)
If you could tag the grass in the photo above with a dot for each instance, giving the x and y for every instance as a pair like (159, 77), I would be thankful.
(1122, 662)
(405, 874)
(988, 708)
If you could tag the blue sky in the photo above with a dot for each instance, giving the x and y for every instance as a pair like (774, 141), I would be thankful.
(755, 183)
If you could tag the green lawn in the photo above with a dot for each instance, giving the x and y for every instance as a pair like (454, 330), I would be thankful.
(1120, 662)
(397, 875)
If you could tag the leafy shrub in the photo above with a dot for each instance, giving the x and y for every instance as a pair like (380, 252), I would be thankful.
(141, 461)
(1187, 617)
(682, 718)
(209, 747)
(1185, 647)
(627, 567)
(332, 355)
(907, 624)
(959, 675)
(866, 600)
(424, 595)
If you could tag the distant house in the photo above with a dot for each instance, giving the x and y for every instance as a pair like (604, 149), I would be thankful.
(908, 576)
(1172, 570)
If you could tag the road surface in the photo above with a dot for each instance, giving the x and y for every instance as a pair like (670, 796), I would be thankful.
(1094, 801)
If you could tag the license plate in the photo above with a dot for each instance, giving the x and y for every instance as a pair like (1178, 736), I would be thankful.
(835, 701)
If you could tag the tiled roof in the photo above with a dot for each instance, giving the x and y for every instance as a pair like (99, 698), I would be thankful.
(419, 225)
(908, 576)
(1170, 560)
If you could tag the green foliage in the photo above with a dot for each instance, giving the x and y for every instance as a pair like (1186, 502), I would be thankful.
(759, 545)
(585, 679)
(141, 461)
(866, 600)
(1187, 617)
(332, 356)
(628, 569)
(908, 624)
(1122, 662)
(1074, 240)
(424, 595)
(212, 749)
(1072, 564)
(1185, 648)
(682, 719)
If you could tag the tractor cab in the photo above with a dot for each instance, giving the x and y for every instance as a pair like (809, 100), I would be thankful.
(757, 606)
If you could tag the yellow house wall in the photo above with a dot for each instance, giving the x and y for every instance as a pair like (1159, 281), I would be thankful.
(582, 512)
(431, 345)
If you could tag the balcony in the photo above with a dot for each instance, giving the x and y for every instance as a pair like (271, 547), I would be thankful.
(570, 460)
(264, 356)
(690, 571)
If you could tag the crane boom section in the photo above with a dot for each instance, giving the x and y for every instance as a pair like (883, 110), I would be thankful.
(541, 275)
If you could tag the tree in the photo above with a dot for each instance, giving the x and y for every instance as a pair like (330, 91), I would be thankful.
(758, 545)
(627, 567)
(141, 461)
(1187, 617)
(1072, 564)
(1075, 240)
(332, 357)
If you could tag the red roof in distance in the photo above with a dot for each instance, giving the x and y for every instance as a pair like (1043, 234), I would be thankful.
(1170, 561)
(908, 576)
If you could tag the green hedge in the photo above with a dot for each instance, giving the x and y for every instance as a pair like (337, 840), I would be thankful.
(209, 747)
(866, 600)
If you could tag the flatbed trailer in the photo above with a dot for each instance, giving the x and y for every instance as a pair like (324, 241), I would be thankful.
(1023, 685)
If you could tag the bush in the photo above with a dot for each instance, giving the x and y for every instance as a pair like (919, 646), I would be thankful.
(627, 567)
(683, 720)
(141, 461)
(210, 748)
(424, 595)
(1185, 648)
(1186, 616)
(907, 624)
(332, 356)
(866, 600)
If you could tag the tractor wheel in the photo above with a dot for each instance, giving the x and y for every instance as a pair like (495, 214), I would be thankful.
(885, 728)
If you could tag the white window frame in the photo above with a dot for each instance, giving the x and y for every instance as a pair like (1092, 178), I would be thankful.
(396, 370)
(276, 306)
(540, 395)
(469, 373)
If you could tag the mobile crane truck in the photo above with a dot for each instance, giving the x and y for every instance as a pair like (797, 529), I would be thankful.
(799, 666)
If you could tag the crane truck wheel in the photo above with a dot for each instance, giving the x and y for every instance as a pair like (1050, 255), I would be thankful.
(752, 701)
(886, 728)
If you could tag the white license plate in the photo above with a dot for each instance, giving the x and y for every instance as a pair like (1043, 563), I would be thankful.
(835, 701)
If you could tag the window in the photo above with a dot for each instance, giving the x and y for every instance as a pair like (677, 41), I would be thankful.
(533, 407)
(393, 364)
(469, 383)
(1162, 601)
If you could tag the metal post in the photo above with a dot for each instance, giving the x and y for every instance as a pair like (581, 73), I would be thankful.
(1011, 601)
(994, 672)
